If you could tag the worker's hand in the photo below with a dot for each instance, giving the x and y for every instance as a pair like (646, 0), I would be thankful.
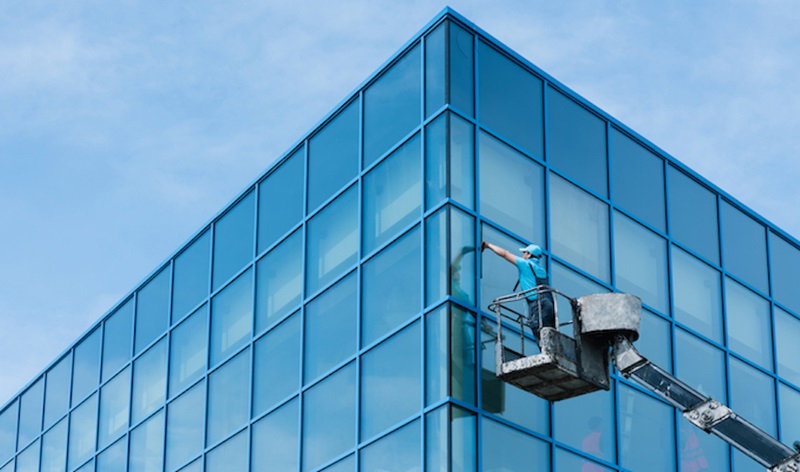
(484, 245)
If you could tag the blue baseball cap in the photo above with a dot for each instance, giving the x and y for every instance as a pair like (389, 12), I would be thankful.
(533, 249)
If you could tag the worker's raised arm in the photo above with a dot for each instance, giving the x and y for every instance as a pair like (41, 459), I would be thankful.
(499, 251)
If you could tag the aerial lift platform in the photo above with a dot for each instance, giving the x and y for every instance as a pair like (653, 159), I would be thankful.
(605, 326)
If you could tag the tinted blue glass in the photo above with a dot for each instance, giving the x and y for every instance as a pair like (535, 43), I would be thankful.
(435, 72)
(275, 439)
(347, 464)
(456, 434)
(576, 142)
(693, 215)
(231, 317)
(700, 365)
(82, 432)
(436, 161)
(753, 396)
(54, 448)
(329, 415)
(498, 277)
(115, 458)
(437, 440)
(185, 421)
(152, 310)
(277, 365)
(330, 328)
(510, 100)
(333, 156)
(233, 240)
(462, 161)
(454, 273)
(579, 228)
(399, 451)
(30, 414)
(10, 468)
(390, 382)
(566, 462)
(700, 451)
(592, 432)
(501, 447)
(392, 195)
(462, 355)
(390, 287)
(147, 445)
(392, 106)
(88, 467)
(149, 381)
(228, 397)
(462, 84)
(86, 366)
(744, 247)
(114, 408)
(436, 260)
(784, 260)
(117, 343)
(638, 180)
(511, 189)
(8, 431)
(749, 327)
(696, 295)
(789, 412)
(647, 434)
(655, 340)
(743, 463)
(196, 466)
(28, 460)
(787, 332)
(640, 262)
(574, 285)
(188, 351)
(332, 242)
(56, 402)
(231, 456)
(436, 355)
(191, 274)
(279, 281)
(280, 200)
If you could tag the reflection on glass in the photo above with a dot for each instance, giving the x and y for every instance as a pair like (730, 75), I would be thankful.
(449, 165)
(231, 317)
(436, 161)
(185, 421)
(333, 156)
(501, 446)
(647, 435)
(82, 432)
(696, 295)
(277, 365)
(115, 458)
(567, 462)
(117, 344)
(392, 106)
(452, 274)
(348, 464)
(787, 332)
(510, 100)
(462, 86)
(330, 328)
(231, 456)
(147, 445)
(28, 460)
(30, 413)
(114, 408)
(279, 281)
(638, 180)
(228, 397)
(435, 72)
(191, 274)
(280, 199)
(54, 448)
(592, 432)
(149, 381)
(275, 441)
(749, 330)
(789, 412)
(700, 451)
(753, 396)
(744, 247)
(390, 287)
(436, 355)
(399, 451)
(56, 397)
(700, 365)
(456, 434)
(640, 261)
(332, 241)
(784, 260)
(329, 418)
(693, 215)
(8, 431)
(392, 195)
(10, 468)
(498, 277)
(511, 189)
(188, 351)
(233, 240)
(152, 309)
(655, 341)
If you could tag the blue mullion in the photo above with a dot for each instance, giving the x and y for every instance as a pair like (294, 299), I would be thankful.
(302, 311)
(359, 272)
(422, 235)
(478, 260)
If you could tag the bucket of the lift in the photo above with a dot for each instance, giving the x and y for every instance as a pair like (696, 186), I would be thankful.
(605, 315)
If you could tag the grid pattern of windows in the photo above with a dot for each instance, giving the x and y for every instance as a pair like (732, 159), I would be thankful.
(334, 316)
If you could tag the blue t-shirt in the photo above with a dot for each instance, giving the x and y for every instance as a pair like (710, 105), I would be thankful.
(528, 270)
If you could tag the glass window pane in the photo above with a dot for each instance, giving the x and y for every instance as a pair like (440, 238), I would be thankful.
(330, 328)
(329, 415)
(450, 167)
(693, 215)
(700, 365)
(501, 447)
(566, 462)
(579, 228)
(117, 343)
(462, 355)
(753, 396)
(390, 382)
(511, 189)
(348, 464)
(333, 156)
(577, 142)
(647, 434)
(196, 466)
(56, 396)
(392, 195)
(510, 100)
(784, 259)
(789, 412)
(149, 381)
(30, 414)
(459, 266)
(457, 435)
(54, 448)
(390, 285)
(462, 161)
(498, 277)
(392, 106)
(275, 439)
(279, 281)
(115, 458)
(696, 295)
(82, 432)
(436, 257)
(749, 329)
(232, 317)
(332, 241)
(10, 467)
(398, 452)
(592, 433)
(152, 310)
(191, 272)
(231, 456)
(188, 351)
(436, 355)
(787, 332)
(147, 445)
(228, 397)
(8, 431)
(185, 421)
(114, 408)
(744, 247)
(700, 451)
(435, 73)
(436, 161)
(462, 85)
(28, 460)
(640, 262)
(233, 240)
(638, 180)
(280, 200)
(86, 365)
(573, 284)
(277, 365)
(437, 440)
(655, 340)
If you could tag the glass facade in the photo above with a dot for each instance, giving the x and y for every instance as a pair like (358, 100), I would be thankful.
(334, 316)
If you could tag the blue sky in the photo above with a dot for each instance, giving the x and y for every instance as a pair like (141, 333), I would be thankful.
(124, 128)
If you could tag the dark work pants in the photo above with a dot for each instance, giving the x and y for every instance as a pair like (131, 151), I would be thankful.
(548, 314)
